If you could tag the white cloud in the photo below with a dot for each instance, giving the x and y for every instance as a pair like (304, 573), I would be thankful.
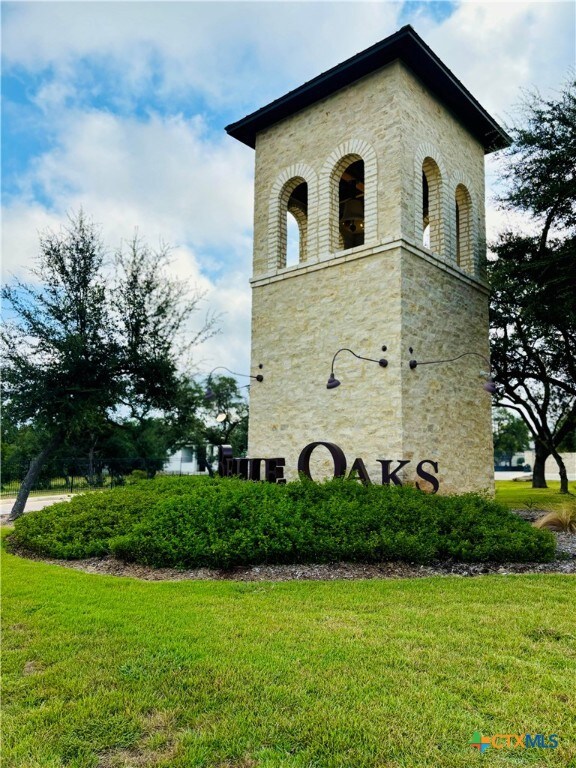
(232, 52)
(165, 178)
(22, 222)
(245, 53)
(163, 174)
(166, 174)
(498, 48)
(230, 297)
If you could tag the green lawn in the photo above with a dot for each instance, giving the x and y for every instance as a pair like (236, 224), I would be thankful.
(523, 496)
(104, 672)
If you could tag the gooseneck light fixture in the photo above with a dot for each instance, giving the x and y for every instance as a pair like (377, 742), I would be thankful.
(209, 393)
(333, 381)
(489, 385)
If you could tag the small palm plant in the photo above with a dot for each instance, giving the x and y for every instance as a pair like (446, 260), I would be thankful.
(563, 520)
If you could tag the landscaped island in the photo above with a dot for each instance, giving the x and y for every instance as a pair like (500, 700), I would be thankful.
(226, 522)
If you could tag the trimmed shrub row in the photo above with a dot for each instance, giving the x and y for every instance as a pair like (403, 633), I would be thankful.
(221, 523)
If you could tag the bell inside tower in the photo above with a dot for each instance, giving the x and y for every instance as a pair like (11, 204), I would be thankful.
(351, 205)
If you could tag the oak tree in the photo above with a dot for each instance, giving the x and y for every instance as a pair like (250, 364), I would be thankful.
(533, 302)
(90, 340)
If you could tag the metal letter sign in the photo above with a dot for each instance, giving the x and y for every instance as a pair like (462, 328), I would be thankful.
(249, 469)
(337, 457)
(272, 470)
(434, 482)
(387, 475)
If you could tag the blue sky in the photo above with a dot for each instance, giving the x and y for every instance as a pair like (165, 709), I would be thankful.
(120, 108)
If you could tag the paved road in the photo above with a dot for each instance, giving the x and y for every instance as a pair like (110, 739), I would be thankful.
(33, 503)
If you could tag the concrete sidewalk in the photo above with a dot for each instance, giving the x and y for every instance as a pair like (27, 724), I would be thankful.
(34, 503)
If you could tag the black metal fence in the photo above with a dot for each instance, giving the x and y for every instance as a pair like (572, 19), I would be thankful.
(73, 475)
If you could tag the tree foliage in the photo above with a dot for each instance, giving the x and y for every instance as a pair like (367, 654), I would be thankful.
(226, 415)
(90, 339)
(533, 304)
(511, 435)
(568, 444)
(540, 170)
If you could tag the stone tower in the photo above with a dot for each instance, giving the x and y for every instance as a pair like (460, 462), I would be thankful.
(379, 163)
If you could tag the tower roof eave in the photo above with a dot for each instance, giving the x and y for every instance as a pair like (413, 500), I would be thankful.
(405, 45)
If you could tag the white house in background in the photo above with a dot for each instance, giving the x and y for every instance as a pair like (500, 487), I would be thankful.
(183, 462)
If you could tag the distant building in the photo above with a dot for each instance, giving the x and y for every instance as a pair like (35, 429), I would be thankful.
(182, 462)
(551, 468)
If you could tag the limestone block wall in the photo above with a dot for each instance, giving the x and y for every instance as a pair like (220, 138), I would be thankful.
(399, 297)
(446, 413)
(298, 324)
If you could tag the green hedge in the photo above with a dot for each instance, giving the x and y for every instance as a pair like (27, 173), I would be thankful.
(221, 523)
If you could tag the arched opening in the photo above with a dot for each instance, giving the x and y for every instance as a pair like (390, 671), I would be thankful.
(292, 240)
(297, 224)
(463, 211)
(351, 205)
(349, 175)
(291, 219)
(431, 205)
(425, 212)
